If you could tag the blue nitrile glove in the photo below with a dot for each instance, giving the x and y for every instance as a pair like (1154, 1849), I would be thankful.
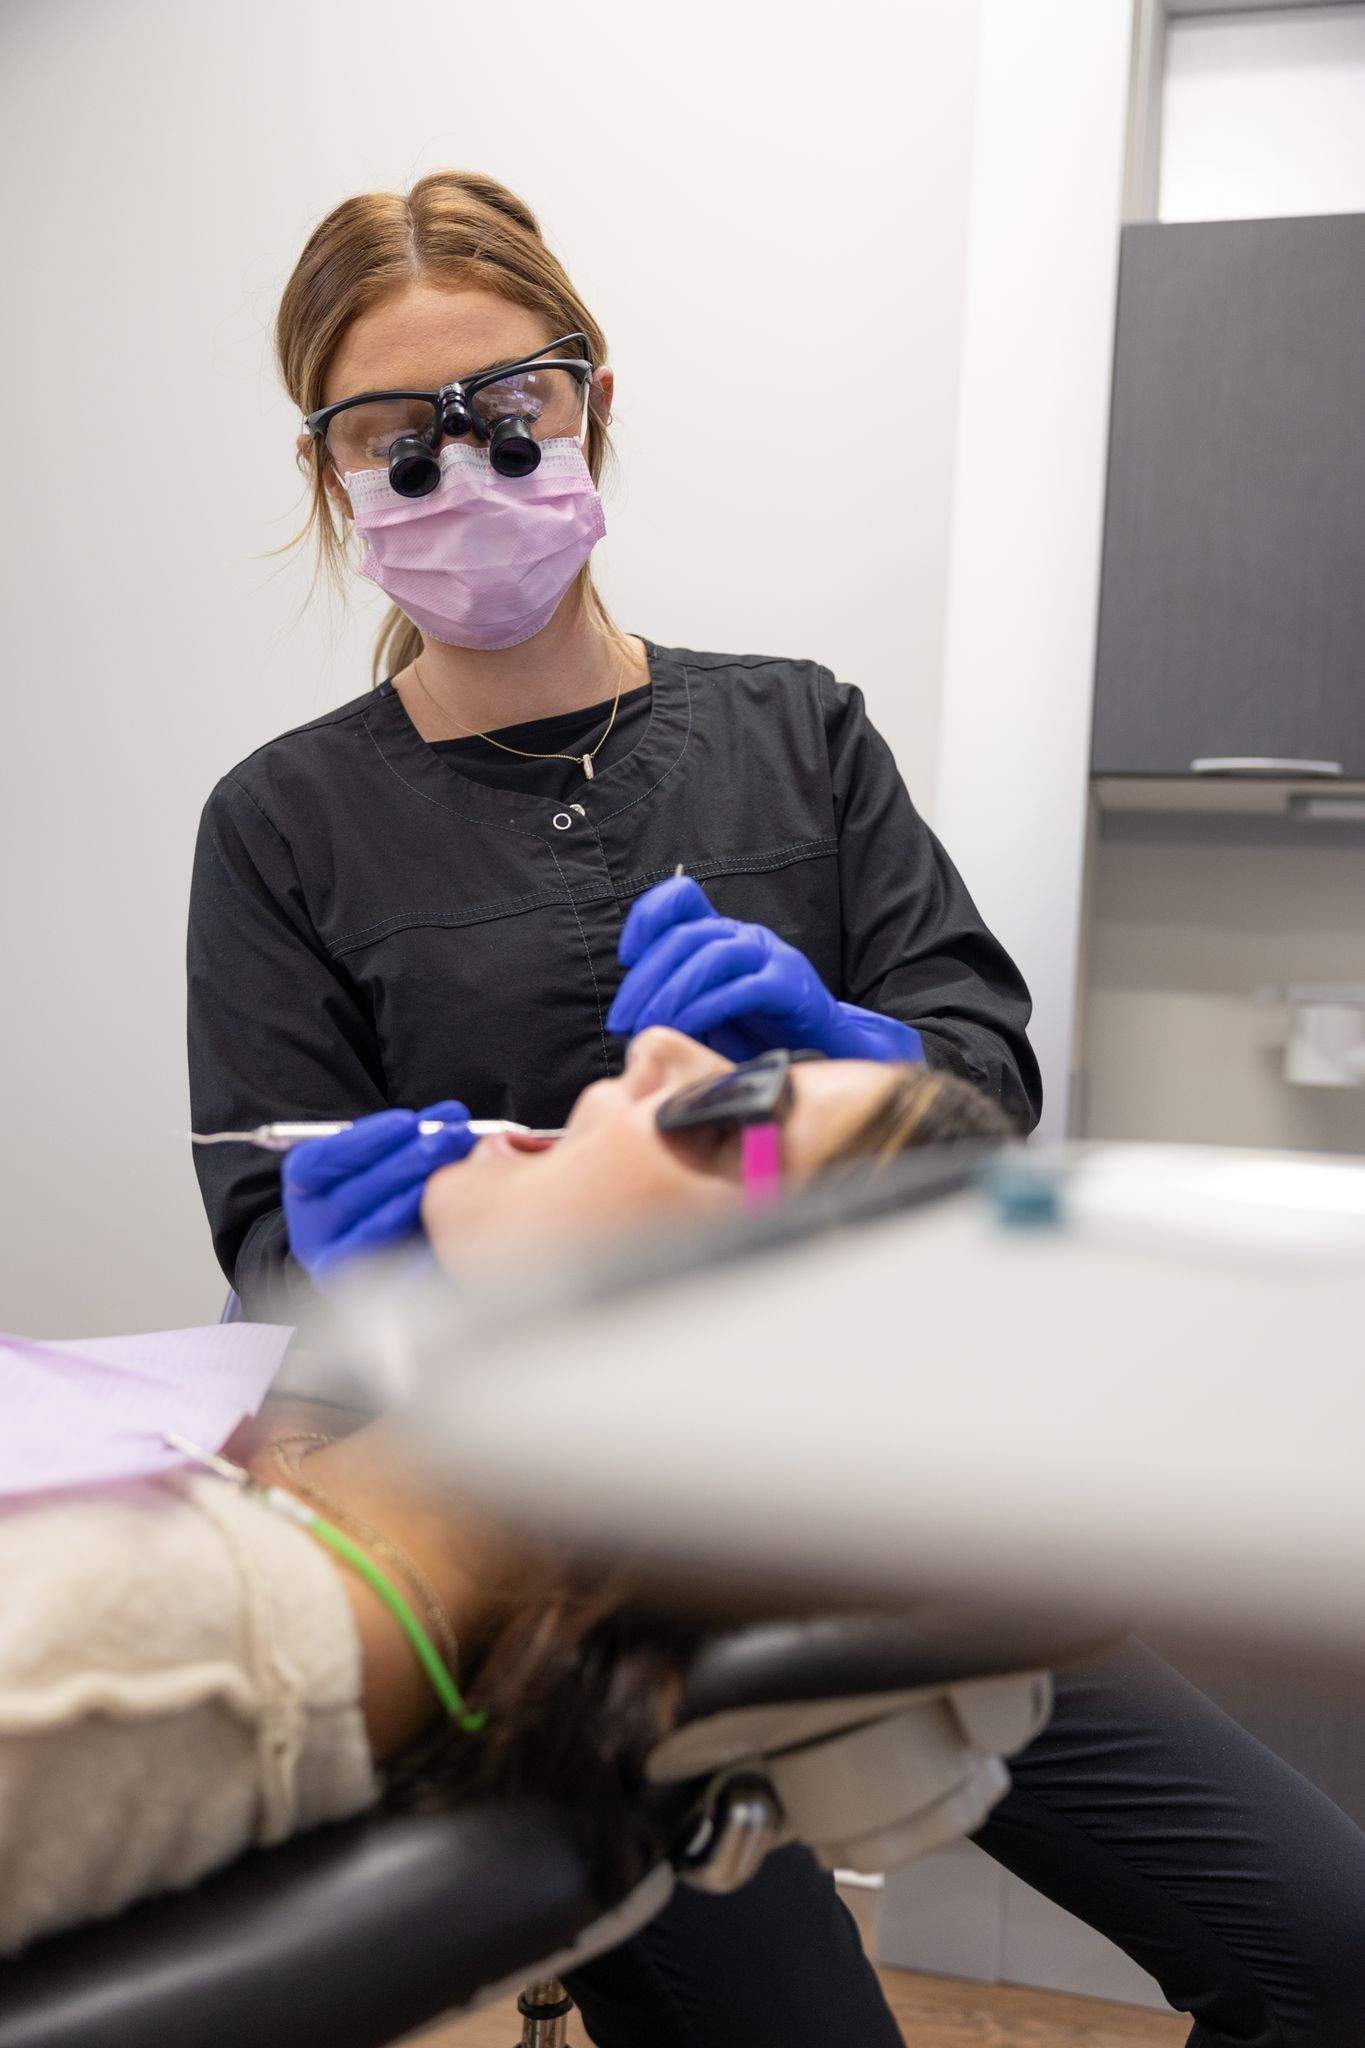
(737, 988)
(361, 1191)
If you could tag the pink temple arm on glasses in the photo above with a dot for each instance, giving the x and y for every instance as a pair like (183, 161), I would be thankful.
(760, 1165)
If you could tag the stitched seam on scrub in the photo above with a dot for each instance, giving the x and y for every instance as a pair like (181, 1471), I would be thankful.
(707, 663)
(768, 862)
(474, 913)
(493, 824)
(459, 920)
(674, 763)
(769, 857)
(587, 954)
(260, 808)
(343, 715)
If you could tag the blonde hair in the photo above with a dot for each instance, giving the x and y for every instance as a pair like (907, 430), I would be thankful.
(452, 228)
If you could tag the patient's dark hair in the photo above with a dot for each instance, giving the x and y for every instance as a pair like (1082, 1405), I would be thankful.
(923, 1106)
(581, 1677)
(578, 1685)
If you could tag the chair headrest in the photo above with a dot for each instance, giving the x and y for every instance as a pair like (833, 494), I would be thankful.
(838, 1656)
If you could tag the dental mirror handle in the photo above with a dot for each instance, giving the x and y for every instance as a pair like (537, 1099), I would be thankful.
(282, 1137)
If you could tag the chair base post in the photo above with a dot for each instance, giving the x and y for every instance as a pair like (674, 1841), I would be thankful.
(545, 2007)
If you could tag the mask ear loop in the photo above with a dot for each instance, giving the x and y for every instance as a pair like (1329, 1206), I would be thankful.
(760, 1165)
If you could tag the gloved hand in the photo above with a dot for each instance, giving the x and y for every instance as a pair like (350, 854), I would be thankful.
(737, 988)
(361, 1191)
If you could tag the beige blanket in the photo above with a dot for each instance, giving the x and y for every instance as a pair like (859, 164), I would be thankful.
(180, 1680)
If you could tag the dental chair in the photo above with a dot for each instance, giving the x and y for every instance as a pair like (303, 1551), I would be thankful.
(872, 1738)
(869, 1737)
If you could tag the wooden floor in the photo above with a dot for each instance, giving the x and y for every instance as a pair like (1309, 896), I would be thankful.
(934, 2012)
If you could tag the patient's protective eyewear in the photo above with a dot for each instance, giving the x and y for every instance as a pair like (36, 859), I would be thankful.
(513, 406)
(755, 1099)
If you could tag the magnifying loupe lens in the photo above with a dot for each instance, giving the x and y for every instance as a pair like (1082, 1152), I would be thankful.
(413, 468)
(513, 448)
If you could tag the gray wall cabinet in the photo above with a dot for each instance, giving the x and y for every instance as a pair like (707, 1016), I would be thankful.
(1232, 611)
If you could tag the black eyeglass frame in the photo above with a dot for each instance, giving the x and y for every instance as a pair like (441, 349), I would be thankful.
(459, 391)
(737, 1099)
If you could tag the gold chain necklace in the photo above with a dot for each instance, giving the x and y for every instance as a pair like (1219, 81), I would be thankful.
(306, 1444)
(583, 761)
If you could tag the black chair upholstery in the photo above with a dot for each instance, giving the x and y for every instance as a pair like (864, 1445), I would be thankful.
(346, 1938)
(835, 1656)
(354, 1935)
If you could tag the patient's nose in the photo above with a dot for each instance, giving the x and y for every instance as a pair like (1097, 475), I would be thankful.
(659, 1059)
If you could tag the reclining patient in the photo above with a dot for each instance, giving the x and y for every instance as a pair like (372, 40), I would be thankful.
(184, 1675)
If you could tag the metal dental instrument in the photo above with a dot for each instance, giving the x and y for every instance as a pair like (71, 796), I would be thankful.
(283, 1137)
(211, 1462)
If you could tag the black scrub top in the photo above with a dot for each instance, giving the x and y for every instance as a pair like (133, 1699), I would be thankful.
(377, 921)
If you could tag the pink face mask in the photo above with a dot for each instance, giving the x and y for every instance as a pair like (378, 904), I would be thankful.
(483, 560)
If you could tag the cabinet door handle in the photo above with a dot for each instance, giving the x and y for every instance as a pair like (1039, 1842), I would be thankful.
(1262, 764)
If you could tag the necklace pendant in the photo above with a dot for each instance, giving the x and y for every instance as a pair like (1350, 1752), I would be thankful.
(587, 767)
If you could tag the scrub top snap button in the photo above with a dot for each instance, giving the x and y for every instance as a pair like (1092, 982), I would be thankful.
(562, 821)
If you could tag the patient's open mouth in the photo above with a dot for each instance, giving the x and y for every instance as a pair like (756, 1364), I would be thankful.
(516, 1141)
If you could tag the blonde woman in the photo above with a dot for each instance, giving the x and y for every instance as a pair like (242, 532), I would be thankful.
(436, 886)
(424, 892)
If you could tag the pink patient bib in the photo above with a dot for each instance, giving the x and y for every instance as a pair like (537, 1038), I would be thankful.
(90, 1409)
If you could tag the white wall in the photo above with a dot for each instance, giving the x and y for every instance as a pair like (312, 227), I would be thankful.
(749, 197)
(1023, 588)
(1264, 115)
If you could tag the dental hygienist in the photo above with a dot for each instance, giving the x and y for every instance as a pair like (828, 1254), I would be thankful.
(429, 892)
(424, 893)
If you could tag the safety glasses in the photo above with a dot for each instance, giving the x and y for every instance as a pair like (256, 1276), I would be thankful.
(512, 406)
(755, 1099)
